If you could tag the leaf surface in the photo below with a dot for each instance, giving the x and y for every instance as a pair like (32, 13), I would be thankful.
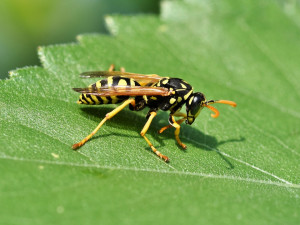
(242, 167)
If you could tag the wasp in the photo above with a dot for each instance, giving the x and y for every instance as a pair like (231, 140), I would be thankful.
(139, 91)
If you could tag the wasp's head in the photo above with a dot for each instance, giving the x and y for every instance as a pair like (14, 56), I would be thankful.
(194, 106)
(196, 102)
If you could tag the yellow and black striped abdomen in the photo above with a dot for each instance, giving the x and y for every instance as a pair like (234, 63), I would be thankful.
(112, 81)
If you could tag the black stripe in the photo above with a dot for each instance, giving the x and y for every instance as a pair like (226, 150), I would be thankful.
(136, 83)
(109, 99)
(83, 98)
(89, 97)
(116, 80)
(94, 86)
(99, 99)
(128, 82)
(103, 82)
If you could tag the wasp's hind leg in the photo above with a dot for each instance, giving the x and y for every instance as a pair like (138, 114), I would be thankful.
(122, 69)
(107, 117)
(143, 134)
(112, 68)
(176, 124)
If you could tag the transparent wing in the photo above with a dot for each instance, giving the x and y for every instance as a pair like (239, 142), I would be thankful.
(124, 90)
(143, 79)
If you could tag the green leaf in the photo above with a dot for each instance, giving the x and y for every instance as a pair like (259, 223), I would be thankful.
(242, 168)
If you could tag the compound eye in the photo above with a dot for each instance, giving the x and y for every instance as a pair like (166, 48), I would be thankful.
(196, 104)
(195, 109)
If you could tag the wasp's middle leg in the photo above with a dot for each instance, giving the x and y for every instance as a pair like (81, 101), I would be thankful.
(176, 124)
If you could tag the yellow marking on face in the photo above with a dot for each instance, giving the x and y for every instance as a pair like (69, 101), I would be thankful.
(182, 85)
(122, 82)
(109, 81)
(114, 99)
(153, 98)
(179, 99)
(191, 99)
(172, 101)
(187, 95)
(98, 84)
(190, 119)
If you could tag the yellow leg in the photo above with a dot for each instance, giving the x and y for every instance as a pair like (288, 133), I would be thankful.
(177, 131)
(143, 133)
(170, 126)
(122, 69)
(111, 68)
(107, 117)
(176, 124)
(179, 114)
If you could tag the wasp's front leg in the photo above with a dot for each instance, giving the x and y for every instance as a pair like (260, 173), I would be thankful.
(177, 114)
(176, 124)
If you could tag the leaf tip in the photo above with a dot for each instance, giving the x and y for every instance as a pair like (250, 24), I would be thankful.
(111, 25)
(41, 54)
(12, 73)
(79, 37)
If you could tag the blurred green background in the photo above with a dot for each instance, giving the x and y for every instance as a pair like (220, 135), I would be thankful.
(27, 24)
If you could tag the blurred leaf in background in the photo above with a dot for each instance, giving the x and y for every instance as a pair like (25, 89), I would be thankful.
(31, 23)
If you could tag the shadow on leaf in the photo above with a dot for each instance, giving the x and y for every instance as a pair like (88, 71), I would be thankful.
(128, 120)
